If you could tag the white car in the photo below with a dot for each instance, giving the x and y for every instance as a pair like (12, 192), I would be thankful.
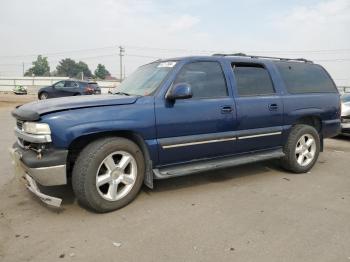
(345, 114)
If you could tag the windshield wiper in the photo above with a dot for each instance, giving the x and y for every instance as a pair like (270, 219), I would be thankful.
(121, 93)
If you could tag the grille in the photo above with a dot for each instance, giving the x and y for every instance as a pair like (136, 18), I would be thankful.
(19, 125)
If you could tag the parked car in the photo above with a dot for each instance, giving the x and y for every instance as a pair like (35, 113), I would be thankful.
(69, 88)
(177, 117)
(345, 114)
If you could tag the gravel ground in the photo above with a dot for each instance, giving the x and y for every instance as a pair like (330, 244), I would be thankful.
(255, 212)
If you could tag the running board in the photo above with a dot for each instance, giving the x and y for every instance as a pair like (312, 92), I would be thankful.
(204, 165)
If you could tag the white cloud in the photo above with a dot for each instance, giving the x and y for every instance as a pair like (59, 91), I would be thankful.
(334, 11)
(322, 26)
(184, 22)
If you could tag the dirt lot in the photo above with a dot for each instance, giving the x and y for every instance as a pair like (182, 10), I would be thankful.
(255, 212)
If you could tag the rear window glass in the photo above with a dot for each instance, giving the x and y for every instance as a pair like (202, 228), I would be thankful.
(305, 78)
(94, 85)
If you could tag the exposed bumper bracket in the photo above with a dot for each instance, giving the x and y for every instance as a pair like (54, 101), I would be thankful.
(33, 187)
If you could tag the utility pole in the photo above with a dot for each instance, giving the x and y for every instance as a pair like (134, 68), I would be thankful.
(121, 54)
(23, 69)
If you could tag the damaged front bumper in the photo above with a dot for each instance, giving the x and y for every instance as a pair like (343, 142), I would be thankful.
(27, 167)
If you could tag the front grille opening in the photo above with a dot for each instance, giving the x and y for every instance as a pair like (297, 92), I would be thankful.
(19, 124)
(345, 119)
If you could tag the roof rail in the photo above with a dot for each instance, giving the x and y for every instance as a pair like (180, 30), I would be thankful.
(267, 57)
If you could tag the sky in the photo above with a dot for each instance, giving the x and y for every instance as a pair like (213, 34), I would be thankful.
(92, 31)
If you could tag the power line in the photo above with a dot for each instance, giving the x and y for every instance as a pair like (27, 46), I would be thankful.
(330, 51)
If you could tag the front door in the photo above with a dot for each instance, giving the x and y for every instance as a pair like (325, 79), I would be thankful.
(199, 127)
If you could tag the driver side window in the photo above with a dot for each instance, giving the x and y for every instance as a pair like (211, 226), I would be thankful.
(205, 78)
(59, 85)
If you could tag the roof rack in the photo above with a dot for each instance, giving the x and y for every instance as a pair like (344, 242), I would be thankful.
(267, 57)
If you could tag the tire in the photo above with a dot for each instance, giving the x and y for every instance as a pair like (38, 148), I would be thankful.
(43, 96)
(299, 157)
(96, 161)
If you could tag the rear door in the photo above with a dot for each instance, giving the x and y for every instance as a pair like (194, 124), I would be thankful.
(259, 107)
(70, 88)
(199, 127)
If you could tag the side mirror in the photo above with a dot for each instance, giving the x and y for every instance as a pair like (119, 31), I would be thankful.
(179, 91)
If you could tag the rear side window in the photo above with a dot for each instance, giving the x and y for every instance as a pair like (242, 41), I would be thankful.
(305, 78)
(205, 78)
(252, 80)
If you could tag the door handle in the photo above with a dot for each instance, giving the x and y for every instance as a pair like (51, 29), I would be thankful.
(226, 109)
(273, 107)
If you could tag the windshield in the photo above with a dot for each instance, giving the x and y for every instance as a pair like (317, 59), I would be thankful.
(146, 79)
(345, 98)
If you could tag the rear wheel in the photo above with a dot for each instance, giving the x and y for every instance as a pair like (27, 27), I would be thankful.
(108, 174)
(43, 96)
(302, 149)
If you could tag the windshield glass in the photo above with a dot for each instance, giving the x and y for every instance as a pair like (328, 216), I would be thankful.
(345, 98)
(146, 79)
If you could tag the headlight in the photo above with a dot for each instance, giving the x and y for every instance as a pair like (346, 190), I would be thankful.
(36, 128)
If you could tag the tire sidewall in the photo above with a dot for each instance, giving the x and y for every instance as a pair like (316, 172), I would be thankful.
(292, 156)
(43, 93)
(93, 197)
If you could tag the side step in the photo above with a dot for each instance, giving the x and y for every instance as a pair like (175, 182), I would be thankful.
(204, 165)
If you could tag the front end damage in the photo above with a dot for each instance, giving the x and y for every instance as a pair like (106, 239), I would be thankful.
(37, 162)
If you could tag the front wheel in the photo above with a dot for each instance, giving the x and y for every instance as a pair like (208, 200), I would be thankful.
(302, 149)
(108, 174)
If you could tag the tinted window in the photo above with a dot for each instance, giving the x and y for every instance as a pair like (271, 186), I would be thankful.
(205, 78)
(252, 80)
(59, 84)
(305, 78)
(94, 85)
(70, 84)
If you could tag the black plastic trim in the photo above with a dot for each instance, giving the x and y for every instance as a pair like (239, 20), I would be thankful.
(205, 165)
(49, 157)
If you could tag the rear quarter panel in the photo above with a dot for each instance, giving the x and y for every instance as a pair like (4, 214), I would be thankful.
(325, 106)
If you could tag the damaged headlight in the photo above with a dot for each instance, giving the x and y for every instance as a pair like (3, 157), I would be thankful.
(36, 128)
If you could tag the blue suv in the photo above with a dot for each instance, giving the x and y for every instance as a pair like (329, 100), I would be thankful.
(177, 117)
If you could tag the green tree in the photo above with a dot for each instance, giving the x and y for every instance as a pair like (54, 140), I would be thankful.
(83, 67)
(101, 72)
(40, 67)
(68, 67)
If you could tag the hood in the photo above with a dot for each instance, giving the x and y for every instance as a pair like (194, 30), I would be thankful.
(32, 111)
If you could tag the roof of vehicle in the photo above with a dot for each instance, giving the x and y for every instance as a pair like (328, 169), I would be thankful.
(82, 81)
(239, 58)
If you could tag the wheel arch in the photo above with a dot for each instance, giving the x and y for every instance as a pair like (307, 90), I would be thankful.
(42, 91)
(79, 143)
(314, 121)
